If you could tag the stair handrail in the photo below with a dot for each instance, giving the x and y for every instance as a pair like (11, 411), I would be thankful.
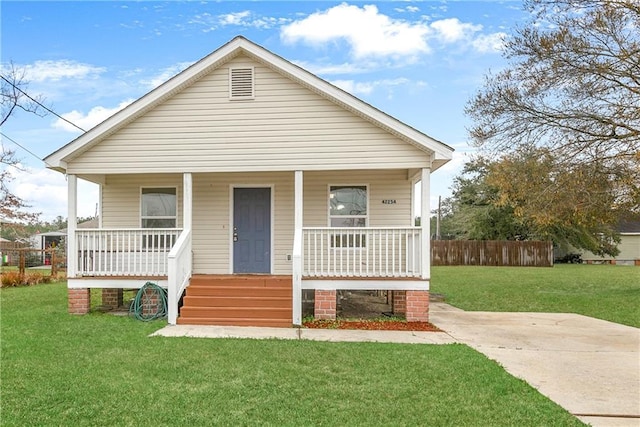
(179, 272)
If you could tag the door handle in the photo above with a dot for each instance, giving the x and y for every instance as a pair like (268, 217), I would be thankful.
(235, 235)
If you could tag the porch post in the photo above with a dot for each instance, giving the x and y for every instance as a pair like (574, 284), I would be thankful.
(187, 201)
(425, 222)
(297, 248)
(72, 220)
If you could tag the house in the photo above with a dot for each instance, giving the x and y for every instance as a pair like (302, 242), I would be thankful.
(243, 181)
(629, 247)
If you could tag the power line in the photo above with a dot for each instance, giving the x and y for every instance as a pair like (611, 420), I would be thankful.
(21, 146)
(40, 104)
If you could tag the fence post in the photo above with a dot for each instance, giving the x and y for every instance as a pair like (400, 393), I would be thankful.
(54, 269)
(21, 267)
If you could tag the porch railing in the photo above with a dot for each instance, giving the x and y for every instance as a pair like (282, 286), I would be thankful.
(362, 252)
(124, 252)
(180, 270)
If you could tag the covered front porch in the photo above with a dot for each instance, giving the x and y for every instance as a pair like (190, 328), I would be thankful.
(322, 259)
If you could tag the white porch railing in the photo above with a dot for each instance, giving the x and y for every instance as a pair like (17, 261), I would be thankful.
(362, 252)
(124, 252)
(180, 270)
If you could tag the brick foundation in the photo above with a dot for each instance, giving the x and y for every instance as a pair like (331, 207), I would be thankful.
(111, 298)
(417, 306)
(325, 304)
(79, 300)
(399, 302)
(151, 302)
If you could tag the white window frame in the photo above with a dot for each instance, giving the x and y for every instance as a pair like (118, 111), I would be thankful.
(174, 217)
(354, 245)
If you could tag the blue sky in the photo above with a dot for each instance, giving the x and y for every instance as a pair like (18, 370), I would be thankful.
(418, 61)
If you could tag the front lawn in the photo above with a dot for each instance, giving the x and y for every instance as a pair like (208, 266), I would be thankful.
(100, 369)
(606, 292)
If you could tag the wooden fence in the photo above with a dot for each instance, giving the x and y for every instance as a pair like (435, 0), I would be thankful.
(49, 259)
(492, 253)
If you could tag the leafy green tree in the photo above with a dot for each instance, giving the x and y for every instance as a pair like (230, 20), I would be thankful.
(473, 212)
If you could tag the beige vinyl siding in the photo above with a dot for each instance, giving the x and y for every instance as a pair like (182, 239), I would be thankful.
(383, 185)
(212, 211)
(629, 248)
(286, 127)
(121, 197)
(212, 218)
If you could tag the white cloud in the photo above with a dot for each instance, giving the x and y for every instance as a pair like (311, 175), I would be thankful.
(344, 68)
(365, 88)
(245, 18)
(46, 191)
(235, 18)
(354, 87)
(41, 71)
(368, 32)
(452, 30)
(165, 74)
(373, 35)
(87, 121)
(489, 43)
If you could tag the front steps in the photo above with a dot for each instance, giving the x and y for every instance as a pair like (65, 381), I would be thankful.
(247, 300)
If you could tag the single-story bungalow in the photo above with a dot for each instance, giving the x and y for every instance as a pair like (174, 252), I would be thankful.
(243, 181)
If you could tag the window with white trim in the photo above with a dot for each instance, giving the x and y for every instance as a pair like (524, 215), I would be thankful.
(158, 209)
(348, 207)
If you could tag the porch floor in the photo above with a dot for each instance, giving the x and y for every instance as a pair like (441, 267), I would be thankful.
(238, 300)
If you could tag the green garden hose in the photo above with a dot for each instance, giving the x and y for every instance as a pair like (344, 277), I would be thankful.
(150, 303)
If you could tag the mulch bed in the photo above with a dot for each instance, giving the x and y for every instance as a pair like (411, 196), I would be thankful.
(372, 325)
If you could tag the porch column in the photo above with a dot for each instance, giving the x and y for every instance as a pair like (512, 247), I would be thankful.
(425, 224)
(187, 201)
(297, 248)
(72, 221)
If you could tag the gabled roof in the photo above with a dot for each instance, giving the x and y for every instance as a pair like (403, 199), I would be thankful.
(441, 153)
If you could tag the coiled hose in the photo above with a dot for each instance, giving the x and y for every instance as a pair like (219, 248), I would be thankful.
(150, 303)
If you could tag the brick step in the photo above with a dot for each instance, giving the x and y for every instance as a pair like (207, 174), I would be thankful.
(234, 291)
(236, 312)
(273, 323)
(242, 281)
(237, 301)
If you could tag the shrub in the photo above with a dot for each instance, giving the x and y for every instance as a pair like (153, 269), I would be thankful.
(31, 279)
(11, 279)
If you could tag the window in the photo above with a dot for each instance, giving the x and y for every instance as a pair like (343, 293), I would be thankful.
(348, 208)
(158, 210)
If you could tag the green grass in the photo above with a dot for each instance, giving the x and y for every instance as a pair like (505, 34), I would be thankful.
(99, 369)
(606, 292)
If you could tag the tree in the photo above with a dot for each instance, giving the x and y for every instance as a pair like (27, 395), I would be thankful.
(571, 207)
(473, 211)
(14, 96)
(567, 109)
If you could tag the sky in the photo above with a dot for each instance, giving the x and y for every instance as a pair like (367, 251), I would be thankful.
(419, 61)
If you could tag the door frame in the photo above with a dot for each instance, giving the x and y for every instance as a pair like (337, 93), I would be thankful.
(271, 225)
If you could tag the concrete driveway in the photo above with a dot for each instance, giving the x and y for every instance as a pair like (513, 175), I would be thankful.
(588, 366)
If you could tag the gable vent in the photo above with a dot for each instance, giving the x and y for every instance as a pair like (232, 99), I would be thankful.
(241, 83)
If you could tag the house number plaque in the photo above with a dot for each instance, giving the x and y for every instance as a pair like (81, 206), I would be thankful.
(389, 202)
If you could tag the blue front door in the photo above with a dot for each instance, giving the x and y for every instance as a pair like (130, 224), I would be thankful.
(252, 230)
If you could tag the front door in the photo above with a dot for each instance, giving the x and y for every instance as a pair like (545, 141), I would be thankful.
(252, 230)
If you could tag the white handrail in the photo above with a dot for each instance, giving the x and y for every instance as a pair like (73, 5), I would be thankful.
(180, 270)
(353, 252)
(124, 251)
